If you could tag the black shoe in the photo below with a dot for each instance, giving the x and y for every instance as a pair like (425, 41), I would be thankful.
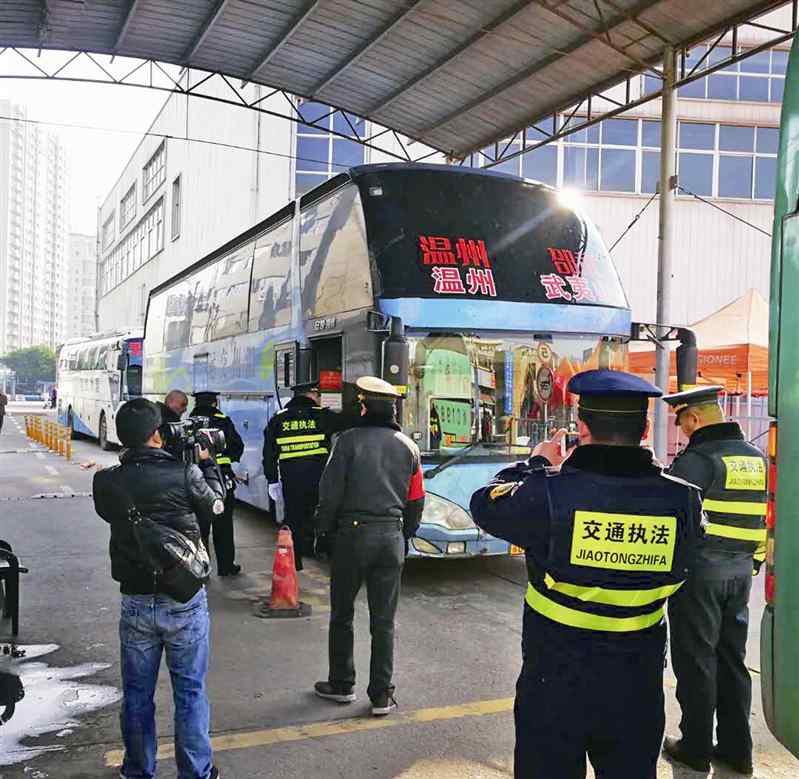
(741, 765)
(214, 773)
(383, 704)
(673, 748)
(234, 570)
(340, 693)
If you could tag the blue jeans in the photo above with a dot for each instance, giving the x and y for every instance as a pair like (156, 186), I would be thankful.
(148, 625)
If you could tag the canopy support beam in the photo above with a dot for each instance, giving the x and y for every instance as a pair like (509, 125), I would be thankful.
(668, 184)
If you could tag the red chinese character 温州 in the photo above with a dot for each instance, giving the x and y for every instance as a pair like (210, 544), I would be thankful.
(480, 281)
(447, 281)
(581, 289)
(564, 261)
(555, 287)
(472, 253)
(436, 250)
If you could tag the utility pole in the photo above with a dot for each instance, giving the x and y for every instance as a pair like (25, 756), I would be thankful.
(668, 185)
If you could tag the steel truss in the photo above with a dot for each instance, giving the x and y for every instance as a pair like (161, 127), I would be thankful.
(563, 119)
(151, 74)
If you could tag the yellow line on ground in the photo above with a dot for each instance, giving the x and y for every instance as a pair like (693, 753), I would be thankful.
(261, 738)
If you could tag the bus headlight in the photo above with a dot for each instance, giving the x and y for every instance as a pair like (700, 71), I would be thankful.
(439, 511)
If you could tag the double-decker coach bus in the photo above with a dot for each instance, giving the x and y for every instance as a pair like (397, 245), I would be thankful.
(477, 293)
(779, 637)
(95, 376)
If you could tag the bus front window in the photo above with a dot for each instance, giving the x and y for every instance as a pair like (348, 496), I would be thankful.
(496, 390)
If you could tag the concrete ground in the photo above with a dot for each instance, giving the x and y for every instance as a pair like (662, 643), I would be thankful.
(457, 660)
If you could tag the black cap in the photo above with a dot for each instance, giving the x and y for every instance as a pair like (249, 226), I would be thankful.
(136, 421)
(696, 396)
(205, 395)
(306, 386)
(612, 392)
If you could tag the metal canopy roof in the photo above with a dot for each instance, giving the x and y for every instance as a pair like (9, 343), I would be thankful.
(454, 74)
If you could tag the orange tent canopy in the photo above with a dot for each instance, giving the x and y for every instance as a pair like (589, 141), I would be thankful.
(732, 343)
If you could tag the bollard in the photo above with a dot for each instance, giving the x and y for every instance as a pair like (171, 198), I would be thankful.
(61, 441)
(48, 434)
(69, 444)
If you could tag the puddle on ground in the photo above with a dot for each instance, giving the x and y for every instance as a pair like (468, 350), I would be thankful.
(37, 699)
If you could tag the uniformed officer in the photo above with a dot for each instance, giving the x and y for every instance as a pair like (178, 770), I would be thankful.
(371, 498)
(222, 524)
(297, 442)
(608, 538)
(709, 617)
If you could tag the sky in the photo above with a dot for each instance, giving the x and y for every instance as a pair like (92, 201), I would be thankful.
(96, 157)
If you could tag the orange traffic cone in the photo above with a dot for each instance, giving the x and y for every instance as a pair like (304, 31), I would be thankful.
(284, 600)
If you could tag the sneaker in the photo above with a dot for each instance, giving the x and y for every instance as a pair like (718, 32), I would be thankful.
(674, 749)
(234, 570)
(383, 704)
(741, 765)
(331, 691)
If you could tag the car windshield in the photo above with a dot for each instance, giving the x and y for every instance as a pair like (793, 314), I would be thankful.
(495, 394)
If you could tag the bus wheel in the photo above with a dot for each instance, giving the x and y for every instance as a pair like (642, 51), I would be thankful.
(103, 435)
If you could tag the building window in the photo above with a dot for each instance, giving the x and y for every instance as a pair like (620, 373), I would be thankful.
(320, 154)
(154, 172)
(127, 207)
(139, 246)
(108, 231)
(177, 204)
(724, 160)
(759, 78)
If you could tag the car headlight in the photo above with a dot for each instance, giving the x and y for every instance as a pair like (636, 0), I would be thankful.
(439, 511)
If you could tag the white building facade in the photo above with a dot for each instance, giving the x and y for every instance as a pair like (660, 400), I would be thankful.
(81, 286)
(177, 200)
(34, 223)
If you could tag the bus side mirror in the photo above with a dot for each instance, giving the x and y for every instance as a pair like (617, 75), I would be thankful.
(686, 359)
(396, 355)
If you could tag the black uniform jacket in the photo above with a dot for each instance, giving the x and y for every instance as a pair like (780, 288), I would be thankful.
(234, 446)
(164, 490)
(697, 469)
(374, 475)
(328, 422)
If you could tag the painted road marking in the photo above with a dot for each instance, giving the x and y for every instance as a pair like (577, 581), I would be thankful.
(39, 455)
(51, 470)
(67, 490)
(261, 738)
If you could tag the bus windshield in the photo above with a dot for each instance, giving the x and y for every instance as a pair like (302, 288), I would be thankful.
(503, 392)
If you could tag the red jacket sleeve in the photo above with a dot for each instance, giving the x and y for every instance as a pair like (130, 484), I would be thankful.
(416, 487)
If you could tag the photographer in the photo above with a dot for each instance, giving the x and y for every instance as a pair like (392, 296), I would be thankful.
(172, 494)
(222, 524)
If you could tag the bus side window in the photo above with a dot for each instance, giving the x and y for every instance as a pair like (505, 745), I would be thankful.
(270, 295)
(231, 293)
(334, 255)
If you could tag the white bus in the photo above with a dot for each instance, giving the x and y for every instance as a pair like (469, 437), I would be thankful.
(95, 376)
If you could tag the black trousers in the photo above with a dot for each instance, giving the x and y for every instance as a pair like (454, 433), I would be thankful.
(372, 554)
(222, 526)
(579, 697)
(709, 622)
(300, 497)
(2, 417)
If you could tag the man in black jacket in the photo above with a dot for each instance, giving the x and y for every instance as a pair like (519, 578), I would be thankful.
(296, 446)
(172, 410)
(371, 497)
(222, 524)
(709, 616)
(172, 493)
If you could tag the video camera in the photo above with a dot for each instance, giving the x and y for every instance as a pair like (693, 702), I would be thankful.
(187, 437)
